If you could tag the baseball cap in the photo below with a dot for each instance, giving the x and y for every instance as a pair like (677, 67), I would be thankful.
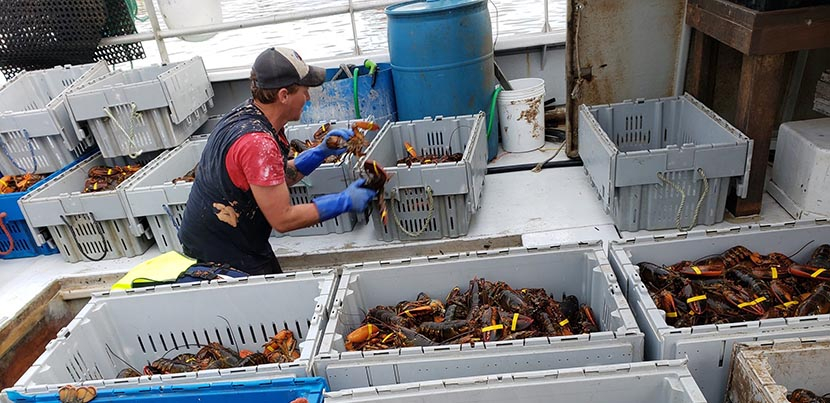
(280, 67)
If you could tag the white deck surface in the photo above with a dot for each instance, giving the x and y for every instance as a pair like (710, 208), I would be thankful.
(555, 206)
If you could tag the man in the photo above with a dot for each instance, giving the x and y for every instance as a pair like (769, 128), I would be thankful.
(241, 189)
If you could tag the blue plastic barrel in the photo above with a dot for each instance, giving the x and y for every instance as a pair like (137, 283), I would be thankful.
(441, 53)
(334, 100)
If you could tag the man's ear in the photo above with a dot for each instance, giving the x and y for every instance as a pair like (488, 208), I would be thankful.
(282, 95)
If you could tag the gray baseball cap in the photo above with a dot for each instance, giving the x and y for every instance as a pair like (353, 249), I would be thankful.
(280, 67)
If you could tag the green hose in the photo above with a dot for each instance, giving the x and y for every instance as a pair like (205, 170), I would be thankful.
(356, 105)
(492, 110)
(132, 7)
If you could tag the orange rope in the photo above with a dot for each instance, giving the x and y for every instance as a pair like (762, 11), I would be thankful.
(8, 234)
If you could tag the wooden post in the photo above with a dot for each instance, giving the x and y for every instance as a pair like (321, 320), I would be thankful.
(700, 73)
(759, 100)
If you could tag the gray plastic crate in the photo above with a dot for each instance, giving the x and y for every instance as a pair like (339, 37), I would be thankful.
(661, 381)
(140, 326)
(328, 178)
(765, 372)
(36, 127)
(643, 157)
(152, 195)
(431, 201)
(581, 270)
(709, 347)
(85, 226)
(146, 109)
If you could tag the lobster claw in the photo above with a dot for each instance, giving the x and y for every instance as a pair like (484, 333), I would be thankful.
(814, 273)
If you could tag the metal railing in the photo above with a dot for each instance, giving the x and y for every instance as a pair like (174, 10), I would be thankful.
(160, 35)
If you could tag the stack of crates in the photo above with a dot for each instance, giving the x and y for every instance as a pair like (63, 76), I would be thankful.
(431, 200)
(662, 163)
(16, 238)
(709, 347)
(146, 109)
(134, 116)
(661, 381)
(38, 135)
(581, 270)
(37, 132)
(119, 329)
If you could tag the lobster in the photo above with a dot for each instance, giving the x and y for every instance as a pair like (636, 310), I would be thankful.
(443, 330)
(282, 347)
(18, 183)
(376, 180)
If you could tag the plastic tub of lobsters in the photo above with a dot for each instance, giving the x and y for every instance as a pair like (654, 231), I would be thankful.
(695, 295)
(795, 370)
(335, 174)
(254, 328)
(476, 313)
(85, 211)
(656, 381)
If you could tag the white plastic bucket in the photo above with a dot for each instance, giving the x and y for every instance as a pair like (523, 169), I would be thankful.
(522, 115)
(191, 13)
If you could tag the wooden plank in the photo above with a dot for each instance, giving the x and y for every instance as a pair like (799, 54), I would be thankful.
(791, 30)
(700, 72)
(732, 33)
(758, 33)
(759, 99)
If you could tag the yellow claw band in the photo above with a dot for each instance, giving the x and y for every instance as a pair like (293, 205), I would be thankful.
(369, 326)
(790, 303)
(387, 337)
(490, 328)
(564, 322)
(774, 272)
(515, 319)
(695, 299)
(408, 314)
(754, 302)
(109, 171)
(816, 274)
(671, 314)
(697, 270)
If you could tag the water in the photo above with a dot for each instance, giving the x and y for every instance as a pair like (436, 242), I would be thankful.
(326, 37)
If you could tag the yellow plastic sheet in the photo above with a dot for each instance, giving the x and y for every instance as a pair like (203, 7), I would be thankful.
(161, 269)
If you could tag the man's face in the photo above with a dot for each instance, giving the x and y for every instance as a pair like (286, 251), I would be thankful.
(296, 102)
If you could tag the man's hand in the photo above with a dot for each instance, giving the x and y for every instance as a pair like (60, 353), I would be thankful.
(355, 199)
(346, 135)
(300, 400)
(310, 159)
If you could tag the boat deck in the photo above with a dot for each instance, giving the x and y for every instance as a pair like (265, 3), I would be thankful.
(555, 206)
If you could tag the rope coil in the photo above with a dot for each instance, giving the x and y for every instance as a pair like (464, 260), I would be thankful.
(134, 116)
(683, 199)
(427, 219)
(8, 154)
(75, 237)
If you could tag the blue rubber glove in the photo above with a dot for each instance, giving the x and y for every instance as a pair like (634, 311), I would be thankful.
(355, 199)
(310, 159)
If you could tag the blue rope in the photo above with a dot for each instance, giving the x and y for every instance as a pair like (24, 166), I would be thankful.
(31, 151)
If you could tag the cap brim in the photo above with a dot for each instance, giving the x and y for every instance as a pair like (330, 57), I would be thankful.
(315, 77)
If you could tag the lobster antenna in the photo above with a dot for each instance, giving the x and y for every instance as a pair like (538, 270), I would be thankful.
(802, 248)
(233, 338)
(112, 354)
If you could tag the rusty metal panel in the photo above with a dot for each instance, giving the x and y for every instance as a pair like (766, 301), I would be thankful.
(622, 49)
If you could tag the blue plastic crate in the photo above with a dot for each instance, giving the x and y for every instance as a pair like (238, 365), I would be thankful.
(275, 390)
(24, 240)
